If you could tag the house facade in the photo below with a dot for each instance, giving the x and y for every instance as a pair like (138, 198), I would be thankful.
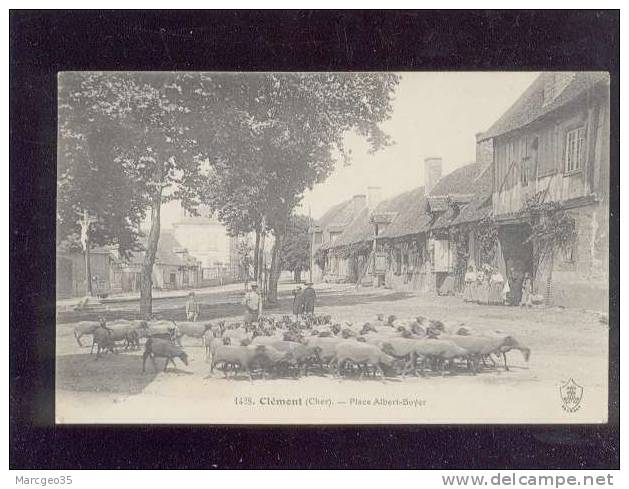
(406, 242)
(174, 267)
(328, 229)
(71, 278)
(551, 154)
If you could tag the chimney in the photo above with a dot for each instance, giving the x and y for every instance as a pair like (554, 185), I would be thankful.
(359, 202)
(374, 197)
(432, 172)
(484, 150)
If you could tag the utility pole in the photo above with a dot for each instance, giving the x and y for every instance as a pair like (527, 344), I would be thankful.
(85, 221)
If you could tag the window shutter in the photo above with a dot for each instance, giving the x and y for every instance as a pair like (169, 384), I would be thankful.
(581, 147)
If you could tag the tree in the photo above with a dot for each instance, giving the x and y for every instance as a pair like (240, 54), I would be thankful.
(295, 252)
(311, 114)
(88, 181)
(153, 123)
(293, 125)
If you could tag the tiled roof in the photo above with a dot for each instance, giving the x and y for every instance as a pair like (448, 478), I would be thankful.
(530, 106)
(472, 206)
(339, 215)
(166, 255)
(470, 183)
(459, 182)
(438, 203)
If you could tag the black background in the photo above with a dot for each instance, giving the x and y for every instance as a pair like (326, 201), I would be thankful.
(44, 43)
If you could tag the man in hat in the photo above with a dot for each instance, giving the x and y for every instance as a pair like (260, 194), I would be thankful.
(298, 302)
(252, 303)
(192, 307)
(309, 297)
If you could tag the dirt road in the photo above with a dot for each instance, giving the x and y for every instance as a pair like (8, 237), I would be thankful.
(565, 344)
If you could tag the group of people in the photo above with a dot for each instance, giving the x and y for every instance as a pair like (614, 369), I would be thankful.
(303, 303)
(488, 286)
(304, 300)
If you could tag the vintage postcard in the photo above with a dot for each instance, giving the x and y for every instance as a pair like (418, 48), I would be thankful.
(332, 247)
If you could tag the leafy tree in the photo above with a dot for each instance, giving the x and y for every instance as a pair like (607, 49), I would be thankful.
(292, 129)
(88, 181)
(153, 123)
(295, 252)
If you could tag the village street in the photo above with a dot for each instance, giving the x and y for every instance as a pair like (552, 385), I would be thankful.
(565, 343)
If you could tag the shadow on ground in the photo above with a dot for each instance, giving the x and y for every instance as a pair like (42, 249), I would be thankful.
(121, 373)
(210, 311)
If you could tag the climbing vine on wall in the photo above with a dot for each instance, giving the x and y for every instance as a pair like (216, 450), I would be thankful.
(551, 226)
(354, 250)
(487, 237)
(459, 236)
(319, 258)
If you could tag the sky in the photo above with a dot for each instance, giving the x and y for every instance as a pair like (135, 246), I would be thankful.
(434, 114)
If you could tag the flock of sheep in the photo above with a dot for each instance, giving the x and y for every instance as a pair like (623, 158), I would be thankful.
(282, 346)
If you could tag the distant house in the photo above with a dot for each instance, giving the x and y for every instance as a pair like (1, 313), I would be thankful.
(206, 239)
(552, 145)
(71, 277)
(174, 268)
(332, 225)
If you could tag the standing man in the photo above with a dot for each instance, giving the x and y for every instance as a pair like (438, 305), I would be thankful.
(309, 297)
(515, 285)
(192, 307)
(298, 302)
(252, 304)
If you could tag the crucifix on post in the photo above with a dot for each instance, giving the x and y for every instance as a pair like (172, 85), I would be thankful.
(85, 221)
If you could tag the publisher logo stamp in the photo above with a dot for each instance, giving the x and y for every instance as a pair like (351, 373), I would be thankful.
(571, 395)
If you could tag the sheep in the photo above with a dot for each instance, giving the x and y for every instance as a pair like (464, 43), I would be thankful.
(84, 328)
(193, 330)
(368, 327)
(155, 347)
(244, 357)
(301, 354)
(361, 354)
(237, 335)
(160, 327)
(402, 349)
(481, 347)
(267, 340)
(105, 338)
(437, 352)
(326, 348)
(269, 358)
(135, 330)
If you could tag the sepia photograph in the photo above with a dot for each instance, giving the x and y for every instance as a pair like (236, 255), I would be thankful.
(332, 247)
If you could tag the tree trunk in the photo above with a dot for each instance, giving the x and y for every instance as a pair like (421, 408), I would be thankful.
(261, 262)
(256, 256)
(146, 287)
(88, 269)
(297, 276)
(275, 272)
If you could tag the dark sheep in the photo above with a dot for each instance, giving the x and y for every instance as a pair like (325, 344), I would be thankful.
(158, 348)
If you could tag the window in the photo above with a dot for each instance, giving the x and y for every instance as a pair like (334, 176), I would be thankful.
(575, 150)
